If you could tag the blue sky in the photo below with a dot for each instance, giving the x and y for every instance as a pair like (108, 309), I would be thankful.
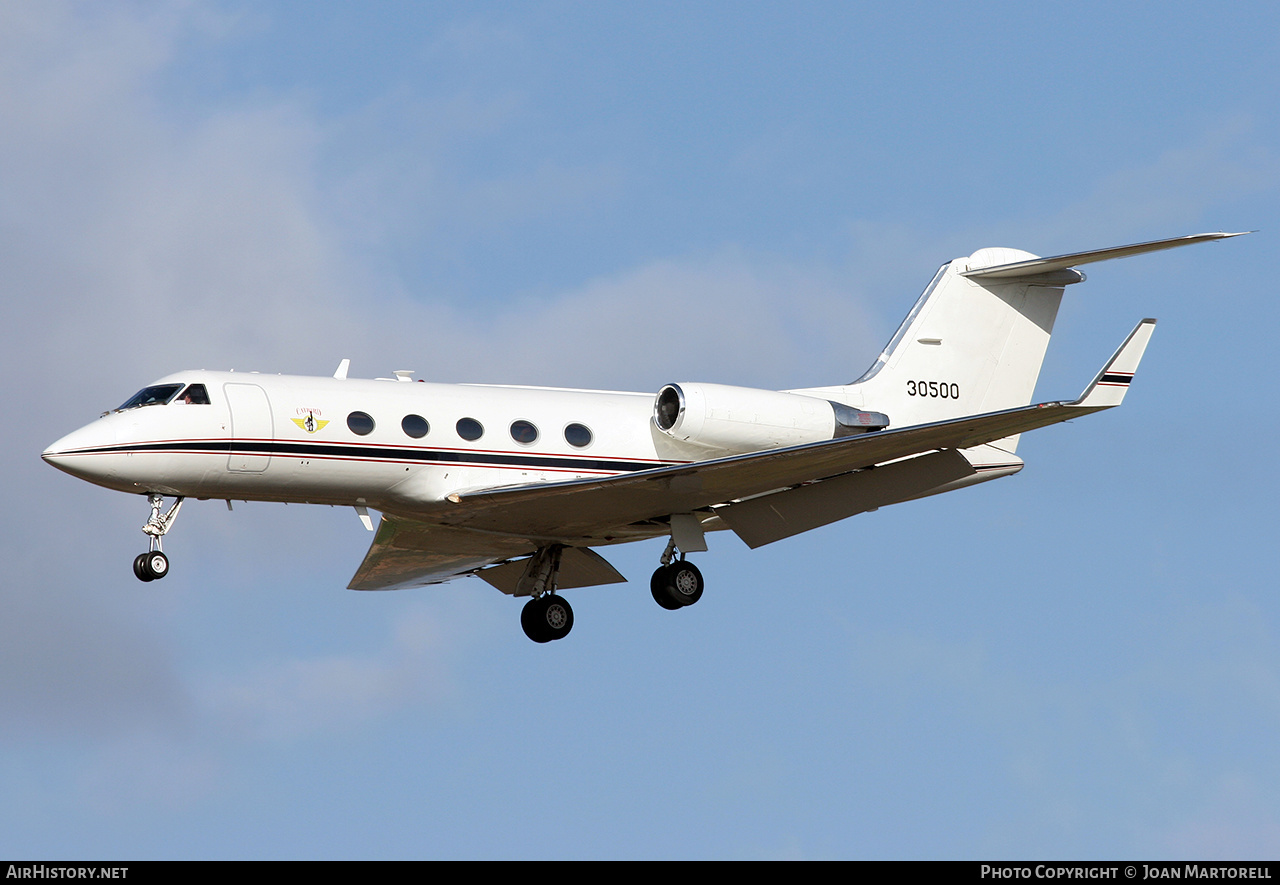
(1079, 661)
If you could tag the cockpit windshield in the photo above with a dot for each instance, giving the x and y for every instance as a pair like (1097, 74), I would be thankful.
(151, 396)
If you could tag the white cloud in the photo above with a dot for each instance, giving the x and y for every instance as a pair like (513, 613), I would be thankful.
(139, 241)
(74, 663)
(718, 318)
(303, 697)
(1170, 194)
(148, 771)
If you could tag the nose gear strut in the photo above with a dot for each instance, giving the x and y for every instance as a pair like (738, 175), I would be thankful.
(153, 565)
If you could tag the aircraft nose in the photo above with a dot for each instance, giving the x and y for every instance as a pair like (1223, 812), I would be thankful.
(81, 452)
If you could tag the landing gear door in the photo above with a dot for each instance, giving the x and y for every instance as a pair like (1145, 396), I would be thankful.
(252, 428)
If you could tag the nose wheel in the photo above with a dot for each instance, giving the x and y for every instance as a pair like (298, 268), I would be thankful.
(154, 565)
(151, 566)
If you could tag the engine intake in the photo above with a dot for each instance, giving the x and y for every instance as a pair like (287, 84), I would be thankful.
(746, 419)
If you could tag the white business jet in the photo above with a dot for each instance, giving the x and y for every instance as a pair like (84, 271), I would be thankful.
(518, 484)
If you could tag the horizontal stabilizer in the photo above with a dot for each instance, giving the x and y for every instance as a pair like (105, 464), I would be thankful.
(1109, 387)
(1037, 266)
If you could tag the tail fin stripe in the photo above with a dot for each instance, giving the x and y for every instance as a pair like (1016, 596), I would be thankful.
(1109, 387)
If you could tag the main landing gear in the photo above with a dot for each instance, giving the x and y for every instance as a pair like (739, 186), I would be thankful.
(547, 616)
(677, 582)
(154, 565)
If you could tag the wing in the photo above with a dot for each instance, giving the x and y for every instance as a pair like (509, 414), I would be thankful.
(408, 553)
(486, 527)
(588, 508)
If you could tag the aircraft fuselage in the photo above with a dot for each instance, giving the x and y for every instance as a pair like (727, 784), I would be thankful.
(389, 445)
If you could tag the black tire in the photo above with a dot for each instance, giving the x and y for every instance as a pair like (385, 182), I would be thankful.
(658, 587)
(531, 621)
(547, 618)
(684, 582)
(157, 565)
(140, 568)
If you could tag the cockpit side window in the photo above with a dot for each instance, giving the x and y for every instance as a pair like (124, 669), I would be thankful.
(152, 396)
(194, 395)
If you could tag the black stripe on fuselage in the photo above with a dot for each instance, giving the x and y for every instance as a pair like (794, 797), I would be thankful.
(376, 453)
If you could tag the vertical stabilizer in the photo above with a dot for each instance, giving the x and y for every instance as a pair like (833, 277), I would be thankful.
(968, 346)
(975, 340)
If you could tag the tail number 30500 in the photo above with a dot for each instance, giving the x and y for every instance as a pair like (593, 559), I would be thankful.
(936, 389)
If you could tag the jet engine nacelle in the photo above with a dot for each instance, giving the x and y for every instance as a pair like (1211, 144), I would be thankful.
(747, 419)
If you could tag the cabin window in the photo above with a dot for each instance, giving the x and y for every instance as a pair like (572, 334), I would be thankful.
(470, 428)
(360, 423)
(194, 395)
(578, 435)
(151, 396)
(524, 432)
(415, 426)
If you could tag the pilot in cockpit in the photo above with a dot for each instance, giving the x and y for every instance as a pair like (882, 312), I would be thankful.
(195, 395)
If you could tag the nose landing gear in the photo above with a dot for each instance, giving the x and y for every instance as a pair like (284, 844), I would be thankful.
(154, 565)
(151, 566)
